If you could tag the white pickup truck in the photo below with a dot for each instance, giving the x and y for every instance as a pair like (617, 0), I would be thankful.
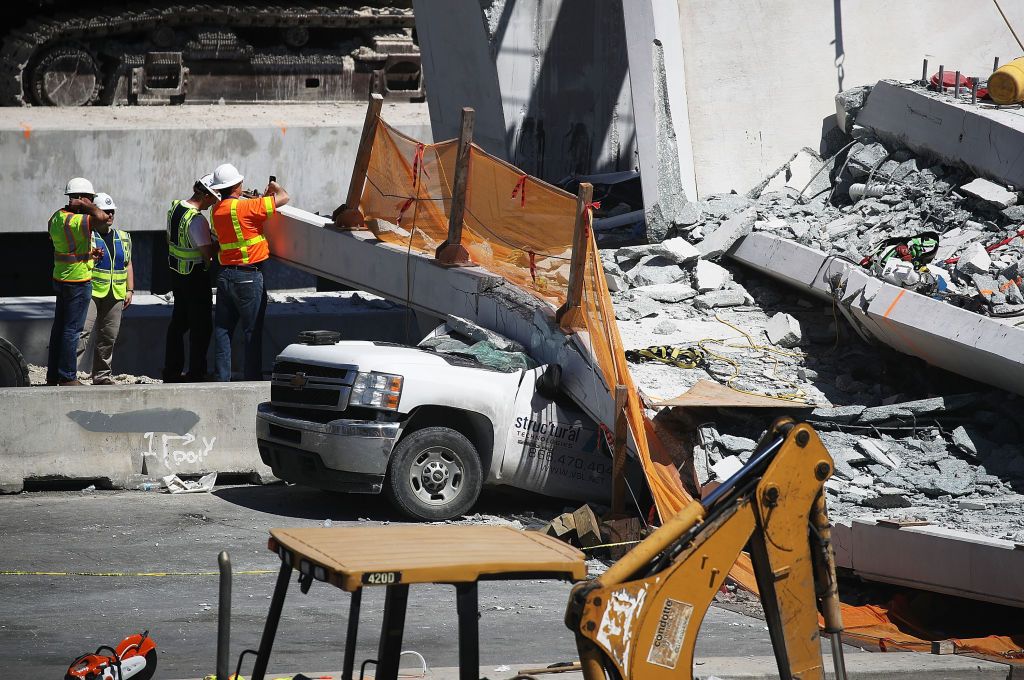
(427, 427)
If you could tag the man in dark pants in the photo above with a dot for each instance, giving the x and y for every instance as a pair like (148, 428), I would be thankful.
(73, 258)
(241, 295)
(191, 248)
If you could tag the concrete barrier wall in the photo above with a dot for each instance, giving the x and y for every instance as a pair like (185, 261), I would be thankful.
(124, 434)
(145, 157)
(140, 345)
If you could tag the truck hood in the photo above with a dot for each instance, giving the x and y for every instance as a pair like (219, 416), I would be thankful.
(370, 356)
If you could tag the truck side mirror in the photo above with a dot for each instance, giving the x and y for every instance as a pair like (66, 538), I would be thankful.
(549, 384)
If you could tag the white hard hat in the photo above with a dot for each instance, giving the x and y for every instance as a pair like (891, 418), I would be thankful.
(225, 176)
(207, 182)
(104, 202)
(79, 185)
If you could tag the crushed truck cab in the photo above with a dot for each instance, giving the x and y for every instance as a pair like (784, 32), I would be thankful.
(427, 428)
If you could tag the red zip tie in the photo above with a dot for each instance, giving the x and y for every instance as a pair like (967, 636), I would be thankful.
(533, 265)
(520, 190)
(403, 208)
(418, 165)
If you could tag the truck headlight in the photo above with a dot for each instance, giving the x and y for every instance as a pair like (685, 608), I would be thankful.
(376, 390)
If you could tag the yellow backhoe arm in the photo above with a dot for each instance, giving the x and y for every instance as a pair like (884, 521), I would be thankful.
(640, 619)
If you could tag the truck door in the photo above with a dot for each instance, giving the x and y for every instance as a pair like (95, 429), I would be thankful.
(553, 448)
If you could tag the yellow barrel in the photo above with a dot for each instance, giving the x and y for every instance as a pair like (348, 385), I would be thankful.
(1006, 85)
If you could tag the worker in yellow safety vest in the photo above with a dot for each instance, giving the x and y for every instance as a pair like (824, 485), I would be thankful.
(113, 284)
(241, 293)
(73, 258)
(190, 251)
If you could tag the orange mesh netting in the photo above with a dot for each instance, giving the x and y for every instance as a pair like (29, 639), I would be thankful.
(521, 229)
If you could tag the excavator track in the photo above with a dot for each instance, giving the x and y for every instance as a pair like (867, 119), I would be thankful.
(72, 39)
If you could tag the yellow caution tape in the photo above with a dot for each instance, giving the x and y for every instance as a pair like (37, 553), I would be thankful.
(129, 574)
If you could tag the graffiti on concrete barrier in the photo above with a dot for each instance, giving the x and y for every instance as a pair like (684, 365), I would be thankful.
(175, 450)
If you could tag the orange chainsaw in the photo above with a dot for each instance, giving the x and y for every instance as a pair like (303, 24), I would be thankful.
(135, 658)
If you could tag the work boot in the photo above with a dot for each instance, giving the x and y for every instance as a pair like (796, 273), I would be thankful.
(70, 383)
(103, 381)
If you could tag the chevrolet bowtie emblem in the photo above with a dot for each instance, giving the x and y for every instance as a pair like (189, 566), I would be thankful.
(299, 380)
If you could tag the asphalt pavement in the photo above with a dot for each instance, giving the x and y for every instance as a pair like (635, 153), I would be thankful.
(131, 537)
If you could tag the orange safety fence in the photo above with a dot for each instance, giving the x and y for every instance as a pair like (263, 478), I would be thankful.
(521, 229)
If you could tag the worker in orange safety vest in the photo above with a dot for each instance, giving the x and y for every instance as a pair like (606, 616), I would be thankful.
(241, 293)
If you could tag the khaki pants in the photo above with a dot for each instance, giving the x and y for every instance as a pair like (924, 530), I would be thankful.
(103, 321)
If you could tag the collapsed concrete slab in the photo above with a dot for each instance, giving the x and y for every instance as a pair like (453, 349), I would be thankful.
(979, 347)
(122, 434)
(953, 131)
(357, 258)
(933, 558)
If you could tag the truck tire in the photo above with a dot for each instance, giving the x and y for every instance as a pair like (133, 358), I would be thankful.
(434, 474)
(13, 369)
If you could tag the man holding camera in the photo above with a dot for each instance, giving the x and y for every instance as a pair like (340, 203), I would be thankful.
(241, 295)
(74, 256)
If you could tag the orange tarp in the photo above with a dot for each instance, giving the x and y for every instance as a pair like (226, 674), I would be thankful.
(520, 228)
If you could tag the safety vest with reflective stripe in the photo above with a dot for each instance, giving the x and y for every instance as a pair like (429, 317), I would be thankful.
(183, 255)
(112, 271)
(71, 237)
(240, 243)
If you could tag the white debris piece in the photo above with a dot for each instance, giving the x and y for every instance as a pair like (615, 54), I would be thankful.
(727, 467)
(991, 192)
(974, 260)
(677, 249)
(783, 330)
(176, 484)
(710, 276)
(666, 292)
(900, 273)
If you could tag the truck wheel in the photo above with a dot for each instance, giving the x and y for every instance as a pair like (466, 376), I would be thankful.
(13, 370)
(434, 474)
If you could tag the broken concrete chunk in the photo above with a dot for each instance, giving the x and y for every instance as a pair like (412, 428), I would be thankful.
(863, 158)
(677, 250)
(727, 467)
(638, 308)
(720, 205)
(783, 330)
(719, 298)
(710, 276)
(479, 334)
(873, 450)
(654, 270)
(616, 283)
(972, 505)
(991, 192)
(667, 292)
(690, 213)
(838, 414)
(974, 260)
(665, 327)
(1015, 213)
(848, 105)
(719, 241)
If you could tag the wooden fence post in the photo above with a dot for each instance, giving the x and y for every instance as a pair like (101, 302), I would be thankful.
(452, 252)
(347, 216)
(578, 264)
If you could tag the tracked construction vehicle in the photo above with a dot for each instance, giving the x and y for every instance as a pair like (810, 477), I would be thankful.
(62, 53)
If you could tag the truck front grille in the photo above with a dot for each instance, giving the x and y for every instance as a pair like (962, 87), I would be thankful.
(312, 386)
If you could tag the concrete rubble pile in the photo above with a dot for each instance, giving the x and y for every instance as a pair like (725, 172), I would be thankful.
(901, 451)
(881, 193)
